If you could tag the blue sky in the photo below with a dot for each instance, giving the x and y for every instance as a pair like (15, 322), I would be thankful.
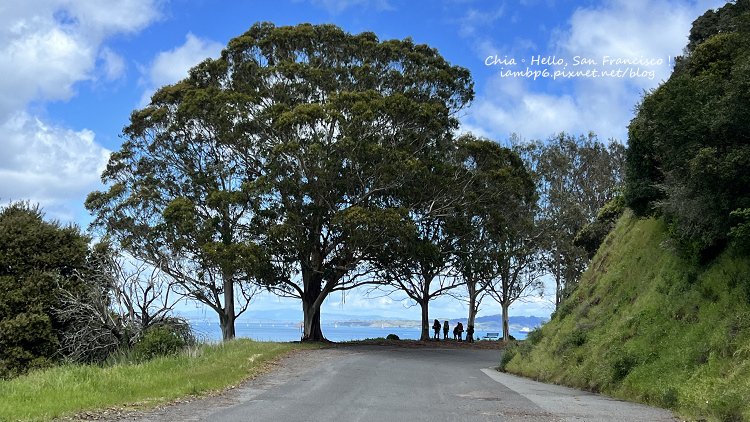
(73, 70)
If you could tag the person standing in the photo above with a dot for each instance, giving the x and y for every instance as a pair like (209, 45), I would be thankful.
(470, 334)
(436, 328)
(445, 330)
(459, 331)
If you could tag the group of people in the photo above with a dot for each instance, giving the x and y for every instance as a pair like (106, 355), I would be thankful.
(458, 331)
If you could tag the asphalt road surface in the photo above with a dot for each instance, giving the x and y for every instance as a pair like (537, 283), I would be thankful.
(398, 384)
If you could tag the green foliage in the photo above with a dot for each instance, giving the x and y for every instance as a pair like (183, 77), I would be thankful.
(392, 337)
(163, 339)
(575, 339)
(648, 325)
(37, 260)
(575, 177)
(591, 236)
(740, 231)
(509, 352)
(535, 336)
(285, 162)
(688, 156)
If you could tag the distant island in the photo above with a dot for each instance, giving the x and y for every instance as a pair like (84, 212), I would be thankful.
(484, 323)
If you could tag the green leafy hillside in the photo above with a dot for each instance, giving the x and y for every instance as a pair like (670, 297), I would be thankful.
(648, 326)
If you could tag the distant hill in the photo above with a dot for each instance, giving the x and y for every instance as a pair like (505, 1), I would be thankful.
(646, 325)
(285, 315)
(485, 323)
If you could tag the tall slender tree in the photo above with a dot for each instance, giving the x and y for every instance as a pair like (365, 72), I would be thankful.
(184, 193)
(419, 258)
(575, 177)
(497, 187)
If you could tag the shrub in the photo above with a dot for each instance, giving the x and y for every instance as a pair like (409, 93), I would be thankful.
(510, 351)
(670, 398)
(622, 365)
(392, 337)
(166, 338)
(591, 236)
(535, 336)
(576, 339)
(38, 260)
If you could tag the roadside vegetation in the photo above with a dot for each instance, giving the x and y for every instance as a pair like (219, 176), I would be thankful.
(647, 325)
(130, 383)
(662, 314)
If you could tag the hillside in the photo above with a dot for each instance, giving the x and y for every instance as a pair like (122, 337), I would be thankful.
(645, 325)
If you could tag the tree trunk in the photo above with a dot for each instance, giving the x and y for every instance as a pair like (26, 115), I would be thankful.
(227, 325)
(228, 317)
(472, 313)
(558, 279)
(425, 320)
(506, 327)
(313, 284)
(312, 322)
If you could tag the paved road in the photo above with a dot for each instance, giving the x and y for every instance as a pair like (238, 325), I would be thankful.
(396, 384)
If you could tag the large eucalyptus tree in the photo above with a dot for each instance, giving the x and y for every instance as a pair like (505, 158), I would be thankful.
(285, 150)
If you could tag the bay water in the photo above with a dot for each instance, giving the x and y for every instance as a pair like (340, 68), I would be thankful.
(283, 332)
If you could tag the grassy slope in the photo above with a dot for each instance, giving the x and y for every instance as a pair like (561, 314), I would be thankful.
(66, 390)
(644, 325)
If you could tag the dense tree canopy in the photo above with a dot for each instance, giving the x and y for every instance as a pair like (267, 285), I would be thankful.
(689, 151)
(38, 260)
(289, 147)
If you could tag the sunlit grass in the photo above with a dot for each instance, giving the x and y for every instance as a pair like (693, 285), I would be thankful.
(70, 389)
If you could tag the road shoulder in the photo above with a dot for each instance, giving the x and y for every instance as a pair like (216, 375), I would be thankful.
(570, 404)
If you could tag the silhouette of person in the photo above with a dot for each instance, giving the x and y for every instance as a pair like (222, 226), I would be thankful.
(470, 334)
(445, 330)
(460, 330)
(455, 331)
(436, 327)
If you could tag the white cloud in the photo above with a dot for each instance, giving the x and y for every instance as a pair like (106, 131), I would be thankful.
(113, 64)
(618, 28)
(171, 66)
(48, 164)
(46, 48)
(41, 65)
(474, 20)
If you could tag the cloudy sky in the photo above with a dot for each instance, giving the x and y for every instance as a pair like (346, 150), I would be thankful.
(73, 70)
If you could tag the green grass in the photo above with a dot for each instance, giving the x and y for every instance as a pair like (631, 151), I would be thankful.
(647, 326)
(70, 389)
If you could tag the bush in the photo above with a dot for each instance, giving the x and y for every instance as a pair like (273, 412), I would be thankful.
(575, 339)
(535, 336)
(622, 365)
(510, 351)
(166, 338)
(392, 337)
(591, 236)
(38, 260)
